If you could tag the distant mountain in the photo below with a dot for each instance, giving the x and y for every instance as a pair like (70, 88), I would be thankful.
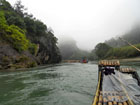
(69, 49)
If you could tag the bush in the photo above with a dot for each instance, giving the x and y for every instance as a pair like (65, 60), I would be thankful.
(15, 36)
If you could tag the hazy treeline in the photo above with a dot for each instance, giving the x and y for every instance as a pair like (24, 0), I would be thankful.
(116, 48)
(24, 40)
(70, 51)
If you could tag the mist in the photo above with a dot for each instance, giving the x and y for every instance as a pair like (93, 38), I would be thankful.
(88, 22)
(69, 49)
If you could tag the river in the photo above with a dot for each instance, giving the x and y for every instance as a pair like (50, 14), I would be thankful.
(60, 84)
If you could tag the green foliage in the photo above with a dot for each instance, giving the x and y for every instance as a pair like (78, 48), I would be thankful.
(30, 26)
(19, 8)
(11, 16)
(13, 19)
(101, 49)
(92, 55)
(13, 34)
(123, 52)
(115, 53)
(3, 24)
(2, 19)
(17, 38)
(4, 5)
(23, 32)
(33, 48)
(52, 37)
(41, 28)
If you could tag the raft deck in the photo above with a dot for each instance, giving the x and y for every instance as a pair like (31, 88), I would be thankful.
(112, 88)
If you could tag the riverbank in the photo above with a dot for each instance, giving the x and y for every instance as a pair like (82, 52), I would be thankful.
(30, 69)
(136, 59)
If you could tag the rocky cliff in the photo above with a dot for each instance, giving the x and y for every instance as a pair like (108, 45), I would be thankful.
(24, 41)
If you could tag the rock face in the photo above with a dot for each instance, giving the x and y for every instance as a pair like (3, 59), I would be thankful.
(48, 52)
(11, 59)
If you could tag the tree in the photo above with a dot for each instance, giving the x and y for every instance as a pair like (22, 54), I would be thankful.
(15, 19)
(4, 5)
(92, 55)
(41, 28)
(101, 49)
(19, 8)
(13, 35)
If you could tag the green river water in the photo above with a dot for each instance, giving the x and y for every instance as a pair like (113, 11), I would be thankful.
(61, 84)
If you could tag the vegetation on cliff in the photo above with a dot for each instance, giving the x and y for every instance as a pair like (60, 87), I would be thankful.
(13, 35)
(25, 37)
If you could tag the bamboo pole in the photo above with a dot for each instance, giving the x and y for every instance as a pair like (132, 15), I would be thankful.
(130, 44)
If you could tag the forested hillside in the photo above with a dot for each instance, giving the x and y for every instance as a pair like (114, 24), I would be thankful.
(24, 40)
(116, 48)
(133, 36)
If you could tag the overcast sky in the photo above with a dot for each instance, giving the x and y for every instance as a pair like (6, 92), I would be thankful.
(87, 21)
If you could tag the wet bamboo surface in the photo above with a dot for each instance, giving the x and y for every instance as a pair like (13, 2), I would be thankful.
(113, 97)
(109, 63)
(109, 96)
(127, 70)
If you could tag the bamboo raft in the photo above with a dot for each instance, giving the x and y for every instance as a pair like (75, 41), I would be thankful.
(99, 98)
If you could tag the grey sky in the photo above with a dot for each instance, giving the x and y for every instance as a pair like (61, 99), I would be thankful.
(87, 21)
